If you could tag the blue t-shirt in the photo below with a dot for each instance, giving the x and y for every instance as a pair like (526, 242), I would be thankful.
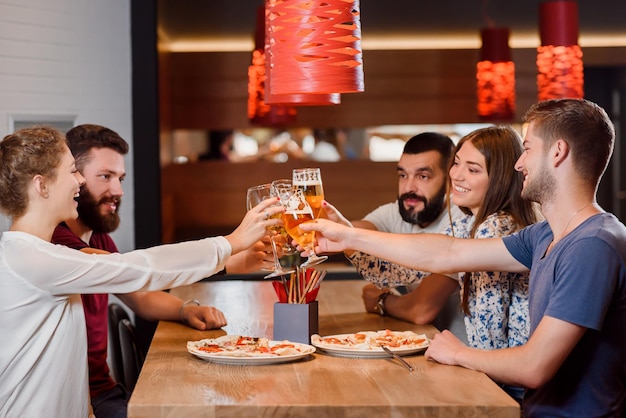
(581, 281)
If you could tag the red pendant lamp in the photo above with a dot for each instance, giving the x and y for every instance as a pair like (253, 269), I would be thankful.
(559, 58)
(495, 76)
(314, 46)
(297, 99)
(259, 111)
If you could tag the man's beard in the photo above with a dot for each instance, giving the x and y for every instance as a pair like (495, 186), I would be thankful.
(89, 213)
(429, 214)
(541, 190)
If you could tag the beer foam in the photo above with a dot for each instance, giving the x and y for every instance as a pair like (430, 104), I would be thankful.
(307, 183)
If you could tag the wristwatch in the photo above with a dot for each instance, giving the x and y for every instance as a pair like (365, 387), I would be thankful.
(380, 304)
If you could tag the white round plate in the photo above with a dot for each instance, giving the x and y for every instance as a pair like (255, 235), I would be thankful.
(373, 352)
(258, 360)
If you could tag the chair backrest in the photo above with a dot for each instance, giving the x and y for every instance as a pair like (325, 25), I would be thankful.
(116, 314)
(132, 357)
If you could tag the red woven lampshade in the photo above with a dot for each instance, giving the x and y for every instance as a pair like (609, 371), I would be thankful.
(495, 75)
(259, 111)
(299, 99)
(314, 46)
(302, 99)
(559, 58)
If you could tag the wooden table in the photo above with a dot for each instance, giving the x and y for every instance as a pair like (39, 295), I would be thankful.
(174, 383)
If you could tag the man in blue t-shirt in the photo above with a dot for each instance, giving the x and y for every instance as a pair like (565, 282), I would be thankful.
(574, 363)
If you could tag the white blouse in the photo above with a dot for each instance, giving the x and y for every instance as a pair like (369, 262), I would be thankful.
(43, 355)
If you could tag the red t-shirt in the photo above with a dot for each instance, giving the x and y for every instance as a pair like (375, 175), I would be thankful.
(96, 312)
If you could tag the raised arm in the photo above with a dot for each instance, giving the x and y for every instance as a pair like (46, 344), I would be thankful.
(430, 252)
(163, 306)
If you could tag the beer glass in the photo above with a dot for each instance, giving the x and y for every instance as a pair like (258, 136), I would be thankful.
(283, 188)
(298, 211)
(254, 196)
(309, 180)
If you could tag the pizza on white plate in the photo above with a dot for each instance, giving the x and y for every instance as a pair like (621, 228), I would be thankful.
(372, 340)
(243, 346)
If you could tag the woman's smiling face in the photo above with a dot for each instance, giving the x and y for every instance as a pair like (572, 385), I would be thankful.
(469, 178)
(65, 188)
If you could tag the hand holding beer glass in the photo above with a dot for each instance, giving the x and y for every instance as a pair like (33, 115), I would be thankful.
(298, 211)
(254, 196)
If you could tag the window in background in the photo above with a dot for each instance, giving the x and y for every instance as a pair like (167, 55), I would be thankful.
(62, 122)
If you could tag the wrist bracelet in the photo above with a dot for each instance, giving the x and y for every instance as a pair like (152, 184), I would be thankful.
(184, 305)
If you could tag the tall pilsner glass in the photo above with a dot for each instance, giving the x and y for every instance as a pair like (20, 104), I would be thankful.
(298, 211)
(309, 181)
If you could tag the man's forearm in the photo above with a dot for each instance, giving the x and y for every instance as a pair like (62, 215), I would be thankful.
(154, 306)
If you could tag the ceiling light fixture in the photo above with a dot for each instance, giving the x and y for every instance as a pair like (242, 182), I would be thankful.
(314, 47)
(559, 58)
(259, 111)
(495, 76)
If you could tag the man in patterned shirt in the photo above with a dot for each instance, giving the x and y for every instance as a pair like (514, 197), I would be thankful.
(421, 208)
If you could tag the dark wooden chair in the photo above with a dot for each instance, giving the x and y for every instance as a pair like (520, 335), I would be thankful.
(132, 356)
(116, 314)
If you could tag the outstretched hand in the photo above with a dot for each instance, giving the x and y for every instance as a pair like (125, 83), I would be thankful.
(333, 214)
(331, 237)
(255, 224)
(255, 258)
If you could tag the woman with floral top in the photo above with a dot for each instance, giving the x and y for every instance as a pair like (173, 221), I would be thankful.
(483, 185)
(486, 188)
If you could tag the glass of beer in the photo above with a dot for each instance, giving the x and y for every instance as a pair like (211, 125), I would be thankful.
(283, 189)
(309, 181)
(298, 211)
(254, 196)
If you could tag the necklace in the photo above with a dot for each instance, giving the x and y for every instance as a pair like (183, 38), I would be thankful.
(569, 221)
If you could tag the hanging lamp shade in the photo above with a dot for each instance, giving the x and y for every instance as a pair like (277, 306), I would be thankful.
(495, 76)
(302, 99)
(559, 58)
(296, 99)
(259, 111)
(314, 46)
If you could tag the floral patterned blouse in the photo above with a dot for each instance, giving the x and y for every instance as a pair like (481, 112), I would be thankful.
(498, 301)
